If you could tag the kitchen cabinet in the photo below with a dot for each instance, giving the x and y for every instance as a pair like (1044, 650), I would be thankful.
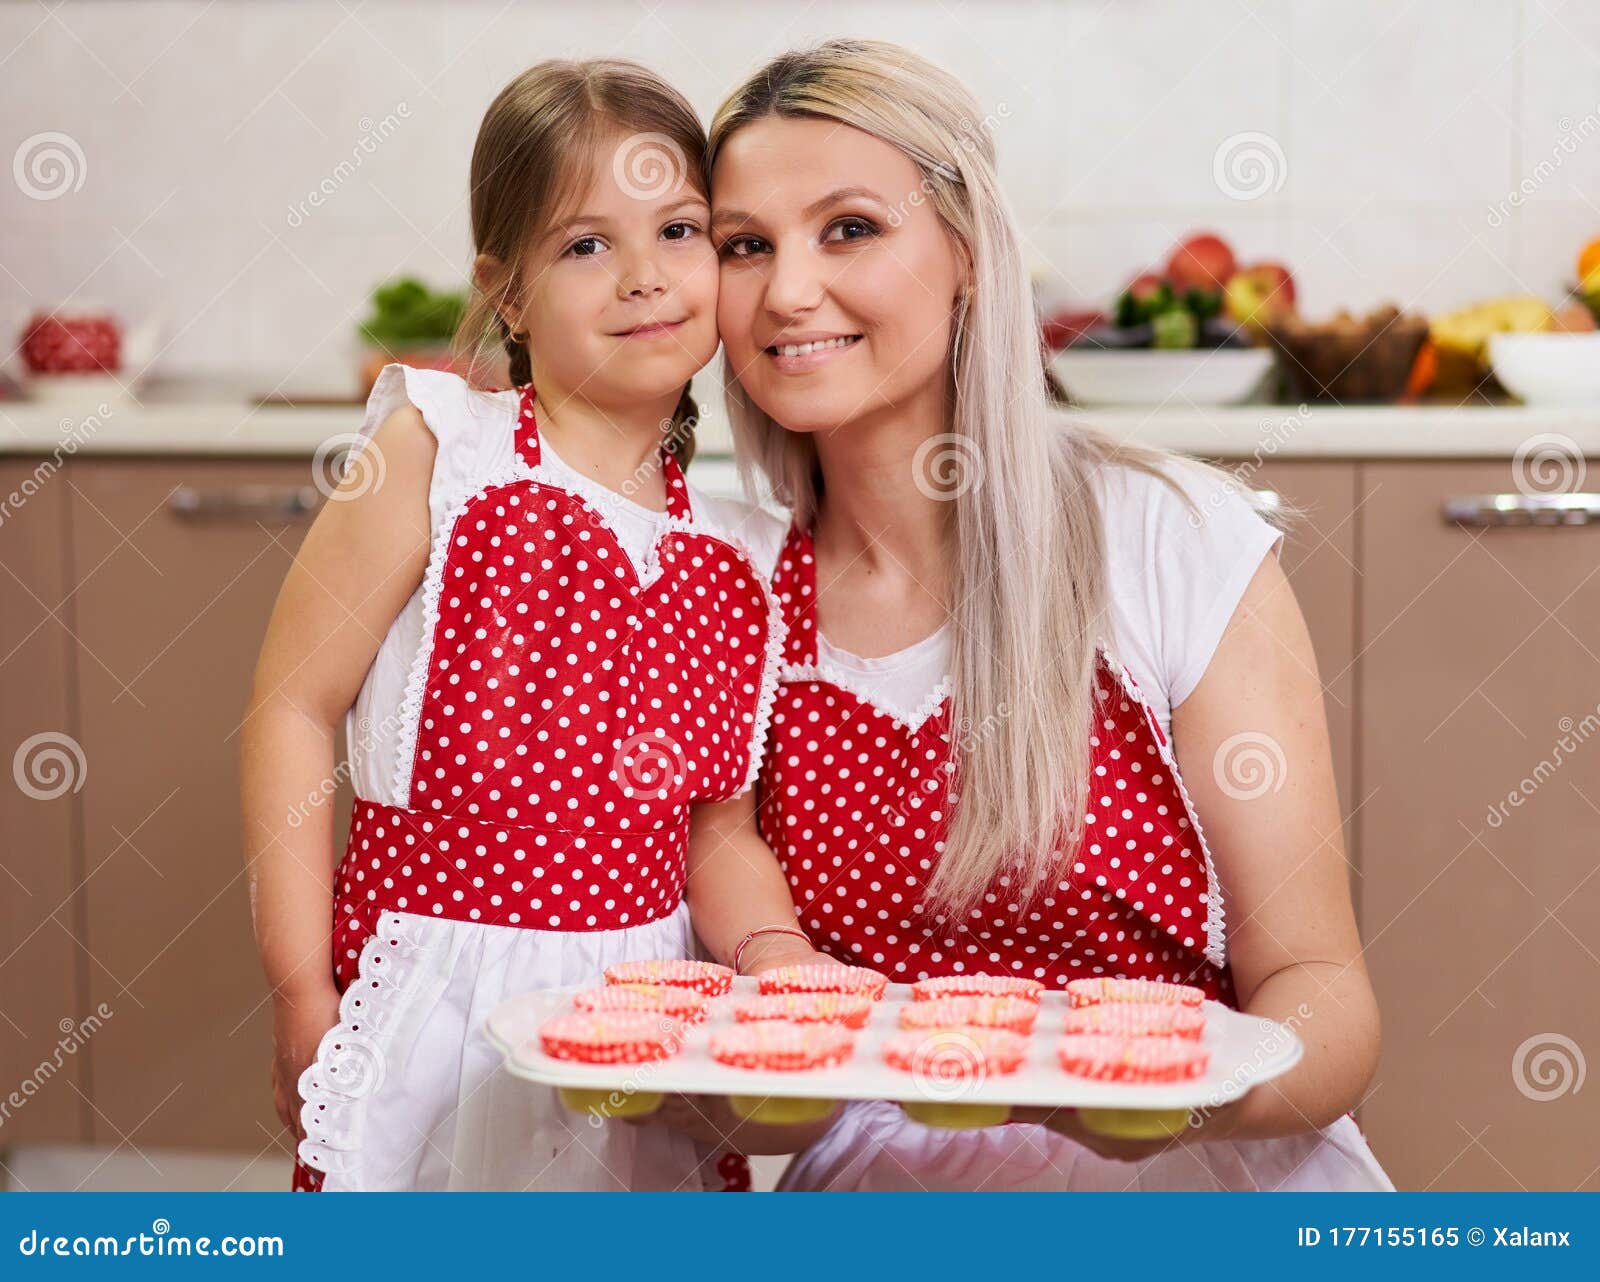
(1479, 676)
(179, 564)
(45, 1023)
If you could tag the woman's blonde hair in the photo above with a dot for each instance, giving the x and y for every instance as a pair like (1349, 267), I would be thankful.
(1030, 596)
(535, 152)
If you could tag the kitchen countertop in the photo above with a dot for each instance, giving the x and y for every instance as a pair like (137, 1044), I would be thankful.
(235, 427)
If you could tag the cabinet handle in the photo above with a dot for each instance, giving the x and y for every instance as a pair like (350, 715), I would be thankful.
(246, 502)
(1522, 509)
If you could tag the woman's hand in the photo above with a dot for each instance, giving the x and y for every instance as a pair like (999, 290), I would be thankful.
(769, 952)
(298, 1025)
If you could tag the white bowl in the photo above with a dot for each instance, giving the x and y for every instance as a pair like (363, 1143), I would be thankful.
(1215, 376)
(1548, 369)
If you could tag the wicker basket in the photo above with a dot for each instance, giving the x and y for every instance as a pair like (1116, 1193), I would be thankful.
(1349, 359)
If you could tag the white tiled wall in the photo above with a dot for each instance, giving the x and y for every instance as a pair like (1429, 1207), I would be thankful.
(1402, 128)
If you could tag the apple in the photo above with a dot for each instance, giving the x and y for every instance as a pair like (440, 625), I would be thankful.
(1144, 286)
(1201, 262)
(1259, 294)
(1062, 328)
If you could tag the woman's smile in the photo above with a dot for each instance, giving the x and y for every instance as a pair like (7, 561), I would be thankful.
(800, 354)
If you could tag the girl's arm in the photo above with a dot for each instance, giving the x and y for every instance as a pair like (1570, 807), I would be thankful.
(1292, 942)
(361, 560)
(735, 886)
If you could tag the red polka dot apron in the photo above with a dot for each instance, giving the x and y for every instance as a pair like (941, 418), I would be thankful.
(853, 802)
(567, 710)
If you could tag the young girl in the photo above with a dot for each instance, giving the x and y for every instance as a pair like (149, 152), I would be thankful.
(548, 647)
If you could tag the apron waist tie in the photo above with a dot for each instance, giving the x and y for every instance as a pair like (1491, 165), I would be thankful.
(497, 874)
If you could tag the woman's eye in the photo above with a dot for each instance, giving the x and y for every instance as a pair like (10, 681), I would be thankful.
(585, 247)
(679, 231)
(849, 229)
(743, 246)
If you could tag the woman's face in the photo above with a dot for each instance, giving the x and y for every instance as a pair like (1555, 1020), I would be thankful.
(838, 278)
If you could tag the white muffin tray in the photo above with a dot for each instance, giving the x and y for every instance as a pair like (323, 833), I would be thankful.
(1246, 1050)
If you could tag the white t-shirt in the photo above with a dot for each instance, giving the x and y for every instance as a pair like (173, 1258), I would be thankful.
(1174, 577)
(476, 446)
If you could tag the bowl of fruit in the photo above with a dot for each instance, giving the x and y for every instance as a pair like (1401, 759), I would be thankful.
(1186, 335)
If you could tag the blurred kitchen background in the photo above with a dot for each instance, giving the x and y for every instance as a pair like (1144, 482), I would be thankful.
(1351, 249)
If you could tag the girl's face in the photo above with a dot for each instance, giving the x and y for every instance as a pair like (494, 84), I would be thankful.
(839, 280)
(620, 298)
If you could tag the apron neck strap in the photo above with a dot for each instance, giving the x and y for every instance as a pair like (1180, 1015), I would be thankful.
(527, 441)
(795, 586)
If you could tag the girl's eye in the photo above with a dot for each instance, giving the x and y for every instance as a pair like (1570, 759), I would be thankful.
(585, 247)
(680, 231)
(744, 247)
(849, 229)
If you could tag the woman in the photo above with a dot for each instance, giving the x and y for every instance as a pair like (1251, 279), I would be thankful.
(1020, 661)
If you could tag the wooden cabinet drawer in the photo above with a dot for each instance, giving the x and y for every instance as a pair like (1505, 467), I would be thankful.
(45, 1025)
(1480, 682)
(179, 564)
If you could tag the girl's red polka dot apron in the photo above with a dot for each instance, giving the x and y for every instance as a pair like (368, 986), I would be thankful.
(567, 710)
(854, 802)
